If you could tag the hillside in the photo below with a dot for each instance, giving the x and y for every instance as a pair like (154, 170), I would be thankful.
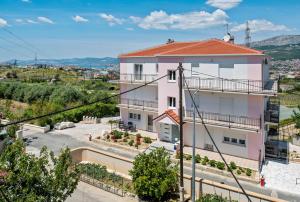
(285, 47)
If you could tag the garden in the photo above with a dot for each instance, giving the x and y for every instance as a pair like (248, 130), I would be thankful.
(128, 139)
(109, 181)
(218, 165)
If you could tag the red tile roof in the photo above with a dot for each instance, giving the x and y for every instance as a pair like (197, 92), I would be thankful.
(197, 48)
(171, 114)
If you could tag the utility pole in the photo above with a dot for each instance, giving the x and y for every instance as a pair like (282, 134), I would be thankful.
(181, 188)
(247, 33)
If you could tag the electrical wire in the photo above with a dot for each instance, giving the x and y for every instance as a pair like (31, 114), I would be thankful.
(79, 106)
(211, 138)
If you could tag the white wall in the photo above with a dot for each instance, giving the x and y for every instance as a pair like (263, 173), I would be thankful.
(214, 102)
(147, 93)
(202, 138)
(149, 65)
(140, 124)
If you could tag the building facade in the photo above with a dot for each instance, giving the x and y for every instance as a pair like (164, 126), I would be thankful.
(230, 84)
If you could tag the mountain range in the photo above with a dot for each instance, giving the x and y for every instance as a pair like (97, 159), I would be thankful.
(80, 62)
(284, 47)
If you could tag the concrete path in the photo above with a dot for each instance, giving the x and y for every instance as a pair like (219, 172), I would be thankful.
(89, 193)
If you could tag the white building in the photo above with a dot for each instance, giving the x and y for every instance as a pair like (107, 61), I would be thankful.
(233, 91)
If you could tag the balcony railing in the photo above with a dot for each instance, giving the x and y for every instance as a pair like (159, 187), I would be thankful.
(137, 78)
(272, 111)
(138, 104)
(231, 121)
(233, 85)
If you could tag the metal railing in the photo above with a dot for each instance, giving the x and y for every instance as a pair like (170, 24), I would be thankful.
(137, 78)
(272, 111)
(233, 85)
(231, 121)
(133, 103)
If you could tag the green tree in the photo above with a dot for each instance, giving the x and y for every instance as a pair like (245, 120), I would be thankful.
(39, 179)
(296, 117)
(154, 176)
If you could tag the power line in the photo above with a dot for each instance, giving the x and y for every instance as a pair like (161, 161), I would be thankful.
(13, 51)
(79, 106)
(17, 44)
(22, 40)
(211, 138)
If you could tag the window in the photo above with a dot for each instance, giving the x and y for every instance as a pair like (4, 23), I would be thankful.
(134, 116)
(138, 71)
(195, 68)
(242, 142)
(234, 140)
(172, 102)
(226, 139)
(172, 75)
(156, 68)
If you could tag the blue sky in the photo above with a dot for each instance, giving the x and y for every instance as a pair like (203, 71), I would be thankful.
(98, 28)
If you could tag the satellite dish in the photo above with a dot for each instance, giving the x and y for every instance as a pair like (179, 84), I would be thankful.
(227, 38)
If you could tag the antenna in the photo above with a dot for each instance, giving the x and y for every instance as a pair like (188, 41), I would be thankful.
(247, 37)
(35, 59)
(227, 28)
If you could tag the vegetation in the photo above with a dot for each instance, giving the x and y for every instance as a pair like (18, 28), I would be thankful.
(214, 198)
(296, 118)
(44, 178)
(147, 140)
(100, 173)
(154, 175)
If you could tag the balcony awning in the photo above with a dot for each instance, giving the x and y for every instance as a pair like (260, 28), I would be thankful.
(168, 117)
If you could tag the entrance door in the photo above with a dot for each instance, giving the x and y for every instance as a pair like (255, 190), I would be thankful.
(165, 132)
(150, 123)
(138, 71)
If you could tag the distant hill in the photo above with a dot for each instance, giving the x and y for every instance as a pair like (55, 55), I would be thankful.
(80, 62)
(278, 41)
(281, 47)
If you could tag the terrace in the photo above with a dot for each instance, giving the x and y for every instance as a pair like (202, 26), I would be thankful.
(225, 120)
(233, 85)
(139, 104)
(138, 78)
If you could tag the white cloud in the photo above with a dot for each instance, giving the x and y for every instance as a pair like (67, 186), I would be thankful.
(79, 19)
(223, 4)
(45, 20)
(112, 20)
(260, 25)
(192, 20)
(26, 1)
(3, 22)
(19, 20)
(31, 21)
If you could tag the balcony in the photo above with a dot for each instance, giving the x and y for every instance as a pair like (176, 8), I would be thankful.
(272, 112)
(225, 120)
(233, 85)
(139, 104)
(138, 78)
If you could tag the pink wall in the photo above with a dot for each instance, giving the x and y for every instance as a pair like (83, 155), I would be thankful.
(167, 89)
(255, 143)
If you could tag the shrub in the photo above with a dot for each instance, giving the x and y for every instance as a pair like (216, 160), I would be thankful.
(197, 158)
(212, 163)
(232, 165)
(204, 163)
(154, 175)
(248, 172)
(131, 143)
(124, 139)
(188, 157)
(138, 135)
(126, 134)
(117, 134)
(221, 165)
(241, 169)
(206, 159)
(147, 140)
(238, 172)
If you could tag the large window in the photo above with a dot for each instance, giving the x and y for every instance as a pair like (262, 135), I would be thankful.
(172, 102)
(235, 141)
(171, 75)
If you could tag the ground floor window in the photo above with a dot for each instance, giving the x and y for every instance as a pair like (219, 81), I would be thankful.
(135, 116)
(235, 141)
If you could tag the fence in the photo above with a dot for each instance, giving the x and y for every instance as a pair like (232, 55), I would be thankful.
(233, 85)
(137, 78)
(230, 121)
